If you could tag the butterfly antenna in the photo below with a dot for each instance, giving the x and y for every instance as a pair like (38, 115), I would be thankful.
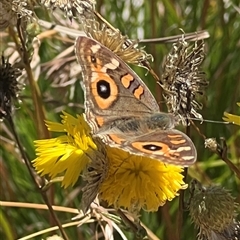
(211, 121)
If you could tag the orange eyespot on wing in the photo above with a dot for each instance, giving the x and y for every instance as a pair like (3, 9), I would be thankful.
(104, 91)
(170, 146)
(151, 147)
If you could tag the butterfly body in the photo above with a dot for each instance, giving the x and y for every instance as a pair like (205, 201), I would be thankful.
(123, 112)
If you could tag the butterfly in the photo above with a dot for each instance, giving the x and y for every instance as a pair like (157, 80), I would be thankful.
(122, 111)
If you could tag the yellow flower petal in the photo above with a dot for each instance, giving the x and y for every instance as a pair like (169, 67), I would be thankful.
(67, 154)
(232, 118)
(135, 182)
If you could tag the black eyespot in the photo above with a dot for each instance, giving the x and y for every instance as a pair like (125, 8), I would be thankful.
(152, 147)
(93, 59)
(103, 89)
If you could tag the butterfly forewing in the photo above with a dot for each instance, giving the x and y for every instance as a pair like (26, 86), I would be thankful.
(110, 84)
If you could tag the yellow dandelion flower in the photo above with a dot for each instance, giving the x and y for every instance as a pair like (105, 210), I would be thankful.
(67, 154)
(118, 177)
(135, 182)
(235, 119)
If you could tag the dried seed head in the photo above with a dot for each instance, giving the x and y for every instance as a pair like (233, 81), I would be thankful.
(95, 174)
(212, 210)
(121, 45)
(54, 237)
(182, 81)
(11, 10)
(72, 8)
(9, 87)
(211, 143)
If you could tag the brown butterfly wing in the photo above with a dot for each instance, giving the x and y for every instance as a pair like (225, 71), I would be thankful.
(170, 146)
(112, 89)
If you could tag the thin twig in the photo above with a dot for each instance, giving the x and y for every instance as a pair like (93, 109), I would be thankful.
(136, 227)
(187, 36)
(42, 130)
(181, 197)
(221, 151)
(36, 95)
(31, 171)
